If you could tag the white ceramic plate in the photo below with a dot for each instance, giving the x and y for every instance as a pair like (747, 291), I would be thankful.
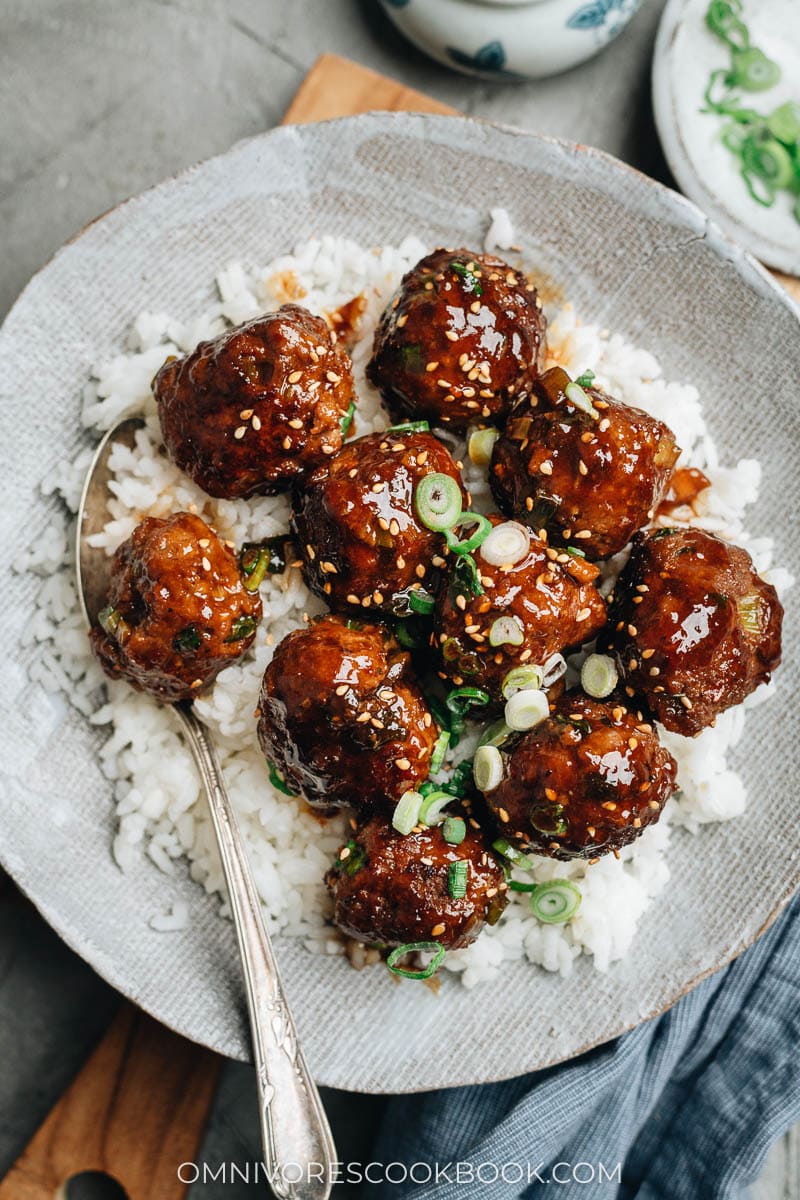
(632, 256)
(686, 53)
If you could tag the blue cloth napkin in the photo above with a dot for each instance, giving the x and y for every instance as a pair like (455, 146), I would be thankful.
(685, 1107)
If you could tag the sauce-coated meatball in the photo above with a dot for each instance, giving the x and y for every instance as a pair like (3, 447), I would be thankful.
(342, 718)
(394, 889)
(252, 410)
(542, 604)
(463, 335)
(359, 533)
(694, 628)
(177, 610)
(584, 781)
(591, 478)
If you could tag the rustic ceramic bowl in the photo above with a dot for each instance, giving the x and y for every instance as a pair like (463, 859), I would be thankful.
(632, 256)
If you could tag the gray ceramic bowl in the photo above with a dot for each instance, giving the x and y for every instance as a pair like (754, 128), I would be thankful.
(632, 256)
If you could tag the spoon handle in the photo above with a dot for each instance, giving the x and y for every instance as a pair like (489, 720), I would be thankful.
(299, 1153)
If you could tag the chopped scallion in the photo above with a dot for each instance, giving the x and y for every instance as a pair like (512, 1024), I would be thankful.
(467, 545)
(506, 631)
(432, 806)
(425, 972)
(526, 709)
(406, 813)
(439, 751)
(454, 830)
(519, 679)
(410, 427)
(480, 446)
(278, 780)
(508, 543)
(457, 879)
(599, 676)
(421, 602)
(487, 768)
(437, 499)
(555, 901)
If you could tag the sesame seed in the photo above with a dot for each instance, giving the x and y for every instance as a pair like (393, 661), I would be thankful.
(245, 414)
(332, 377)
(431, 366)
(256, 422)
(442, 383)
(637, 822)
(475, 306)
(583, 614)
(451, 335)
(362, 717)
(239, 432)
(329, 568)
(383, 524)
(377, 597)
(310, 551)
(590, 829)
(295, 376)
(321, 350)
(394, 527)
(503, 815)
(461, 602)
(378, 487)
(604, 424)
(204, 543)
(618, 713)
(633, 743)
(344, 853)
(401, 562)
(287, 443)
(327, 448)
(686, 702)
(632, 630)
(401, 320)
(424, 859)
(437, 929)
(582, 533)
(342, 689)
(403, 764)
(419, 571)
(546, 467)
(655, 671)
(427, 720)
(632, 665)
(648, 653)
(587, 436)
(352, 598)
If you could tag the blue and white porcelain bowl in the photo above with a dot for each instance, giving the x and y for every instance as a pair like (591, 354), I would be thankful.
(511, 39)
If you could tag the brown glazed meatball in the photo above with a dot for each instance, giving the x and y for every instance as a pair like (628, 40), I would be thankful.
(584, 781)
(250, 411)
(591, 480)
(360, 538)
(342, 718)
(463, 335)
(393, 889)
(550, 598)
(177, 610)
(694, 628)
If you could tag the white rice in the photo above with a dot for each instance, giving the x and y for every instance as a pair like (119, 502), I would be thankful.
(161, 811)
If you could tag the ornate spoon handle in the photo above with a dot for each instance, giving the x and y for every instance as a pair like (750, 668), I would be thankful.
(298, 1148)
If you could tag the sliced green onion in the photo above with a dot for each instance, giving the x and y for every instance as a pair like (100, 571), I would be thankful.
(526, 709)
(556, 901)
(187, 639)
(421, 602)
(437, 500)
(461, 775)
(480, 446)
(548, 818)
(439, 751)
(406, 813)
(514, 885)
(508, 543)
(521, 678)
(580, 399)
(242, 627)
(784, 123)
(586, 379)
(406, 636)
(764, 155)
(487, 768)
(465, 578)
(457, 879)
(506, 631)
(722, 19)
(278, 780)
(471, 280)
(454, 830)
(753, 71)
(433, 805)
(461, 699)
(350, 859)
(494, 734)
(517, 859)
(258, 559)
(760, 189)
(410, 427)
(467, 545)
(750, 613)
(553, 669)
(599, 676)
(435, 948)
(347, 418)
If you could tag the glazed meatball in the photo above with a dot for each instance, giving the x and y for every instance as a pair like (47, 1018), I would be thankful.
(584, 781)
(541, 604)
(258, 406)
(177, 611)
(341, 716)
(361, 539)
(394, 889)
(591, 478)
(463, 335)
(694, 628)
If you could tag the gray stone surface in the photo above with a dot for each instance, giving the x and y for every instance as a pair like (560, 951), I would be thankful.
(99, 99)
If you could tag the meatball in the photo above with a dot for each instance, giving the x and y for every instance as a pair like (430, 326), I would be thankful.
(543, 603)
(463, 335)
(694, 628)
(394, 889)
(584, 781)
(359, 533)
(591, 473)
(250, 411)
(342, 717)
(177, 611)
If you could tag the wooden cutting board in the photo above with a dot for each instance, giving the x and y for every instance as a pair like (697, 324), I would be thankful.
(139, 1106)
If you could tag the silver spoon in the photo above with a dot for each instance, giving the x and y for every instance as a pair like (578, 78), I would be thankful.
(295, 1132)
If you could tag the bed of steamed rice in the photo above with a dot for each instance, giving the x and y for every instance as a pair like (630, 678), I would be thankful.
(160, 809)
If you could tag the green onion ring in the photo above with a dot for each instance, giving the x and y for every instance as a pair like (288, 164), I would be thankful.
(437, 499)
(517, 859)
(439, 751)
(471, 543)
(421, 602)
(416, 948)
(487, 769)
(406, 813)
(555, 902)
(433, 805)
(278, 780)
(599, 676)
(410, 427)
(461, 699)
(454, 830)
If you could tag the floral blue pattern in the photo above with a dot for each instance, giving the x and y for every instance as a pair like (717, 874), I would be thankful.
(596, 14)
(491, 59)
